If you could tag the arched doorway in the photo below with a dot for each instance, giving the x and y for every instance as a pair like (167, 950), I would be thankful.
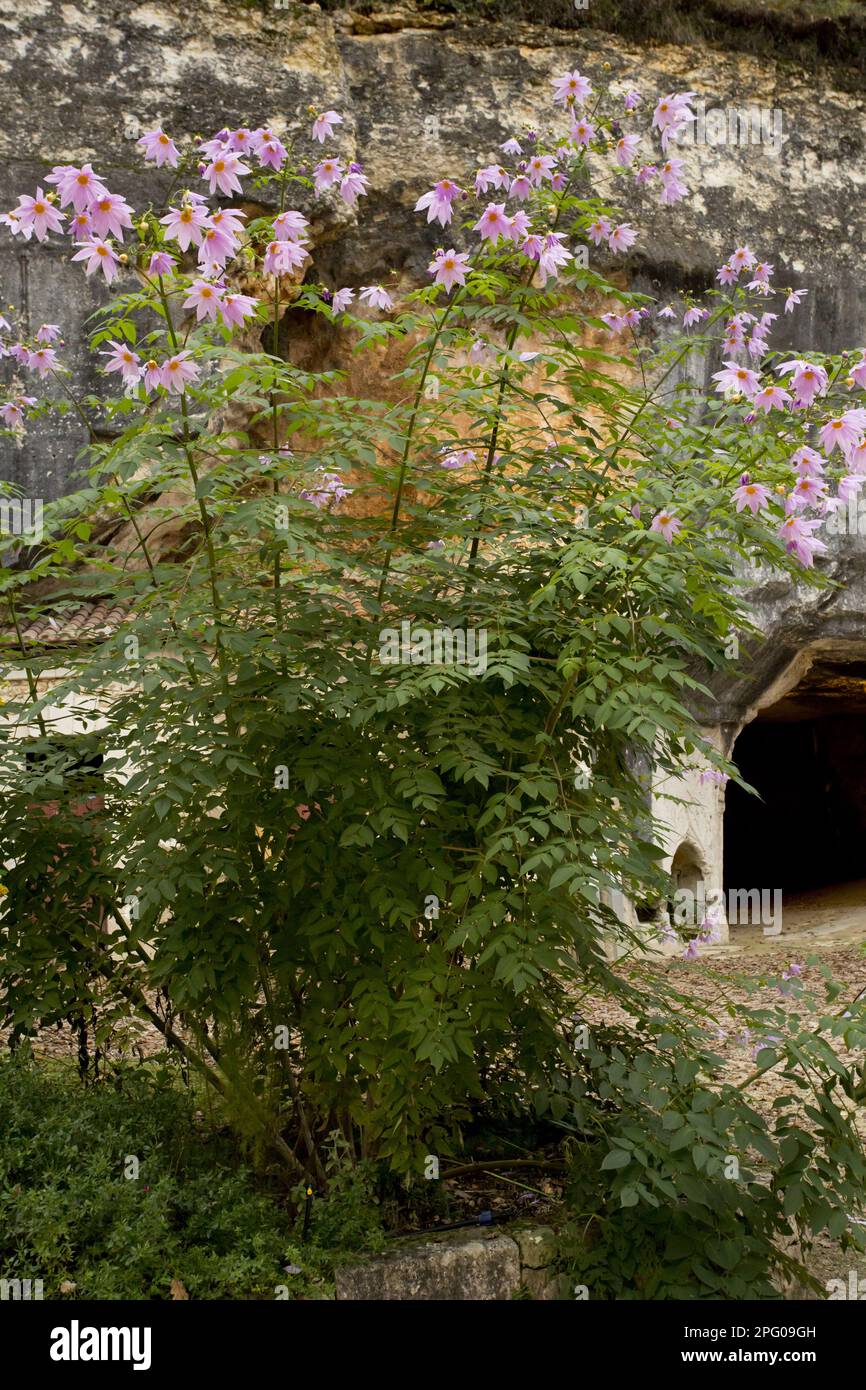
(805, 755)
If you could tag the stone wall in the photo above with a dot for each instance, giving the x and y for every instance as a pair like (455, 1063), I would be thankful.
(424, 94)
(485, 1266)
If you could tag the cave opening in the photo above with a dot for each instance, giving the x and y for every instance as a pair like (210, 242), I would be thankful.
(806, 756)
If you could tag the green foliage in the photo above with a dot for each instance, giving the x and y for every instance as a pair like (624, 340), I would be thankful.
(680, 1188)
(67, 1212)
(195, 1214)
(360, 895)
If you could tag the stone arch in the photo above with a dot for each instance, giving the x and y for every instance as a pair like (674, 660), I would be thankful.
(801, 742)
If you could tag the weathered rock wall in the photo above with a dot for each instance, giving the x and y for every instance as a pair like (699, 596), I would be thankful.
(424, 94)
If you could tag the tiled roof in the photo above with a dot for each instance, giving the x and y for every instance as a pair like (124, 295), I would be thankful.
(85, 625)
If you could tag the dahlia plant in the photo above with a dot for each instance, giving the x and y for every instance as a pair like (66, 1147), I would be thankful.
(375, 722)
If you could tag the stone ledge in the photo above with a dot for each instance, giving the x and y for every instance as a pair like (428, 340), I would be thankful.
(465, 1266)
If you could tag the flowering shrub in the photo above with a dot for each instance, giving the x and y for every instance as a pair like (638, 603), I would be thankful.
(354, 878)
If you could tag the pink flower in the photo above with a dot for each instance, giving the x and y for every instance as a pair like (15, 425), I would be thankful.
(714, 774)
(99, 256)
(42, 361)
(552, 257)
(205, 298)
(796, 533)
(622, 237)
(645, 173)
(849, 486)
(328, 172)
(218, 145)
(761, 272)
(771, 398)
(570, 88)
(152, 375)
(45, 333)
(323, 125)
(161, 263)
(230, 221)
(459, 458)
(493, 176)
(808, 491)
(694, 315)
(807, 460)
(329, 490)
(736, 378)
(377, 297)
(80, 225)
(540, 167)
(519, 226)
(438, 202)
(184, 224)
(341, 301)
(159, 148)
(626, 149)
(615, 322)
(493, 223)
(666, 524)
(742, 259)
(858, 373)
(290, 226)
(632, 100)
(667, 312)
(582, 132)
(12, 412)
(520, 188)
(808, 380)
(599, 230)
(726, 275)
(282, 257)
(857, 457)
(80, 187)
(842, 433)
(793, 299)
(673, 188)
(216, 248)
(122, 359)
(241, 140)
(671, 114)
(271, 153)
(178, 371)
(449, 268)
(223, 173)
(37, 215)
(110, 215)
(354, 185)
(235, 308)
(480, 352)
(751, 495)
(511, 146)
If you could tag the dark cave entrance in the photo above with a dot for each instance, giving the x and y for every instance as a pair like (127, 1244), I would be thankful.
(806, 756)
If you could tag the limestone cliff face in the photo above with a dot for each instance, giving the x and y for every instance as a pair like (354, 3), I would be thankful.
(424, 95)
